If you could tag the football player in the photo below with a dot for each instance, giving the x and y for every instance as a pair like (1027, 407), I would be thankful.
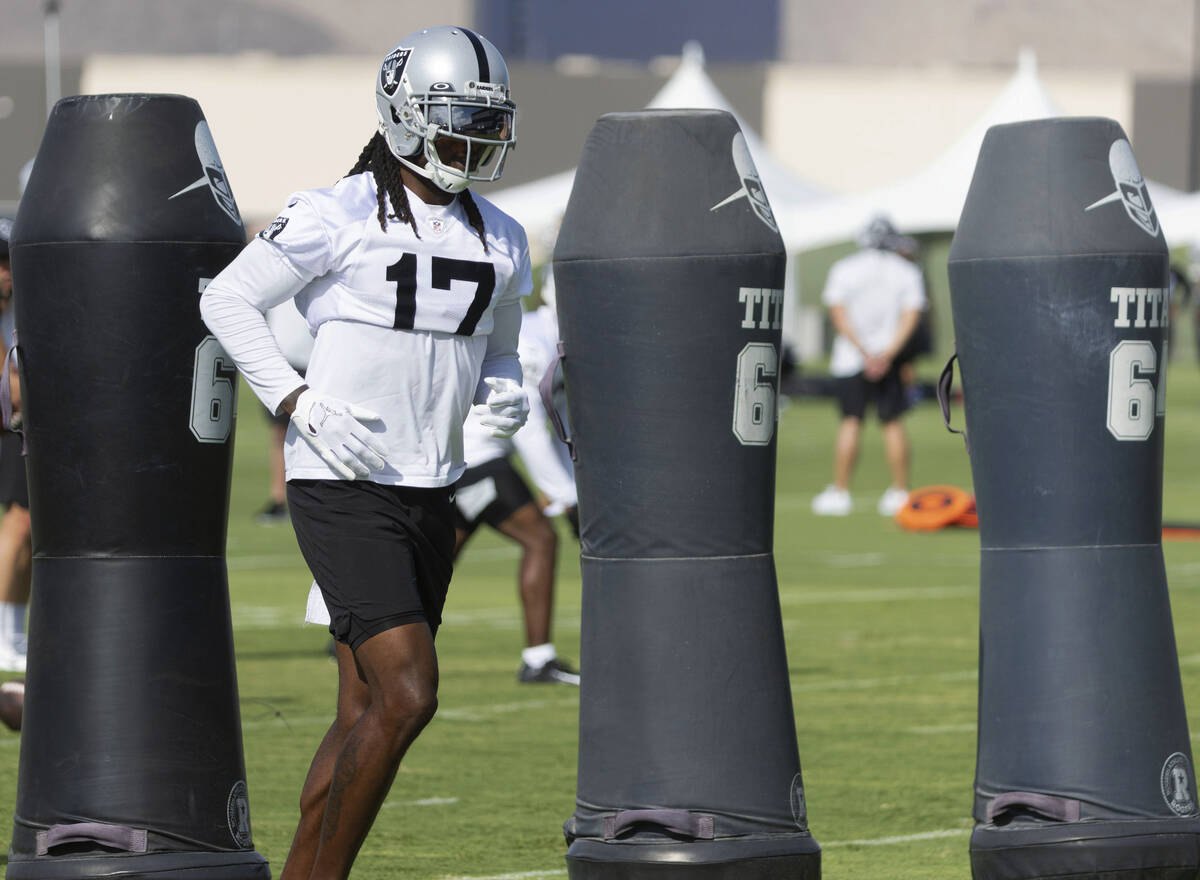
(492, 492)
(413, 289)
(16, 543)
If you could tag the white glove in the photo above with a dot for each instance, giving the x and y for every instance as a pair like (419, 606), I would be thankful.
(506, 409)
(335, 431)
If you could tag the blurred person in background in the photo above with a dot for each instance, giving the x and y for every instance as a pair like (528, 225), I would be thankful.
(920, 342)
(16, 542)
(492, 492)
(875, 298)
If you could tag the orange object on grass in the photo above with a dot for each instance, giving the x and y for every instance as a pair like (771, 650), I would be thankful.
(970, 518)
(934, 507)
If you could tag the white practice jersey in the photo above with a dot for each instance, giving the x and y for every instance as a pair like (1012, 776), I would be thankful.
(403, 324)
(875, 287)
(291, 332)
(545, 456)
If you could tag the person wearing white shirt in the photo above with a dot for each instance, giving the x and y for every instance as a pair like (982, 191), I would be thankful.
(412, 288)
(875, 299)
(491, 492)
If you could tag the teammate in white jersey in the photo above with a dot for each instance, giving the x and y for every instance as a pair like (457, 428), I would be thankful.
(875, 298)
(413, 290)
(492, 492)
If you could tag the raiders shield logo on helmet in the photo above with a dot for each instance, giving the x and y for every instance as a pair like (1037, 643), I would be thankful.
(392, 69)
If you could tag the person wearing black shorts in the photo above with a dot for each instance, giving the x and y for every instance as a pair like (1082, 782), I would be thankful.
(413, 287)
(886, 394)
(875, 299)
(494, 494)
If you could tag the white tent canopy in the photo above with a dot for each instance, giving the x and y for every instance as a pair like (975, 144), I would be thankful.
(932, 199)
(1178, 214)
(539, 205)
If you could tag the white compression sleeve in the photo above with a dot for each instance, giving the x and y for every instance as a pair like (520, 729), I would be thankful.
(500, 361)
(232, 306)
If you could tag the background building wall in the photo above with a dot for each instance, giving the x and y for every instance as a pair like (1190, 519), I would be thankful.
(544, 30)
(849, 95)
(1147, 37)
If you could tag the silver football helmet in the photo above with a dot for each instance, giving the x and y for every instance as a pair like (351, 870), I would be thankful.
(443, 92)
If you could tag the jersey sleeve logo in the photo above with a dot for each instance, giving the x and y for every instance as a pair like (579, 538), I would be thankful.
(275, 227)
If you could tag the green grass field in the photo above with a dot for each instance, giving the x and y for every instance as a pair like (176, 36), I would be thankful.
(881, 635)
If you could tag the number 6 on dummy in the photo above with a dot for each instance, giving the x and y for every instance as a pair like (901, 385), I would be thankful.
(1059, 286)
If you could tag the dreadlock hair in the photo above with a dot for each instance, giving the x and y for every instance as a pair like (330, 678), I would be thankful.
(377, 158)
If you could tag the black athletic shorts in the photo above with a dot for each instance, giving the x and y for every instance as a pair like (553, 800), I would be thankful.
(854, 392)
(489, 493)
(14, 485)
(382, 555)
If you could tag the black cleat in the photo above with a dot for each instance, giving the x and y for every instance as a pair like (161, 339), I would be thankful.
(274, 512)
(554, 672)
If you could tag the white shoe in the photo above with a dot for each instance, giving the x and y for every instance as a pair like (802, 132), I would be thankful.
(11, 660)
(892, 501)
(832, 502)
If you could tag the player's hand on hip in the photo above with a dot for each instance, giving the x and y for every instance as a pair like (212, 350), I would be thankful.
(506, 409)
(335, 431)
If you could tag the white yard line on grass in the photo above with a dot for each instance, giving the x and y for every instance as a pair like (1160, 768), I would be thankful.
(791, 594)
(856, 560)
(899, 838)
(943, 728)
(423, 802)
(257, 563)
(482, 713)
(289, 560)
(266, 616)
(521, 875)
(876, 841)
(853, 684)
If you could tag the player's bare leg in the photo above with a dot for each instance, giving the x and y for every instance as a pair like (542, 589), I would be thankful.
(845, 451)
(16, 555)
(275, 464)
(353, 699)
(399, 666)
(530, 528)
(896, 452)
(16, 565)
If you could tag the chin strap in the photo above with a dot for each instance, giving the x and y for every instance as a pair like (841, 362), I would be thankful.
(430, 173)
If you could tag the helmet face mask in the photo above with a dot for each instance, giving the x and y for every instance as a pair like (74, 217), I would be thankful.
(442, 96)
